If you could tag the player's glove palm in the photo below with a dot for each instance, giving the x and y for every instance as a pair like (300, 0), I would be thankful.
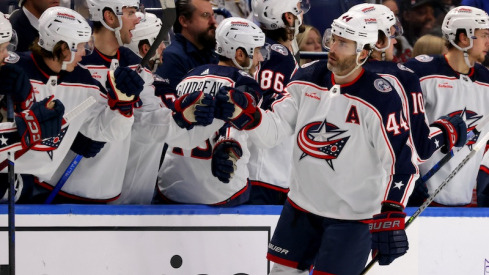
(14, 82)
(389, 238)
(39, 122)
(123, 87)
(196, 108)
(454, 130)
(238, 108)
(224, 157)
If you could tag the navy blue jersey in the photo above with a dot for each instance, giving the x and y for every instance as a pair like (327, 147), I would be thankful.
(209, 78)
(407, 85)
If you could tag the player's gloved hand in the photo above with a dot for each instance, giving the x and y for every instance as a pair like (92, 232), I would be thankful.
(39, 122)
(419, 195)
(14, 82)
(192, 109)
(238, 108)
(454, 129)
(123, 88)
(226, 153)
(85, 146)
(389, 238)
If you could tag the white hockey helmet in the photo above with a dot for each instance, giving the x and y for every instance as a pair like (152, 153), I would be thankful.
(269, 12)
(235, 32)
(466, 18)
(7, 34)
(62, 24)
(148, 28)
(96, 9)
(356, 26)
(385, 20)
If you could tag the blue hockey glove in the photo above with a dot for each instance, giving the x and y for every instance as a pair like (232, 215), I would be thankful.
(85, 146)
(39, 122)
(389, 238)
(123, 88)
(419, 195)
(238, 108)
(15, 83)
(192, 109)
(224, 157)
(454, 130)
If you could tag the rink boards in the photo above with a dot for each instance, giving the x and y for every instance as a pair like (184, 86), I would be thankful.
(193, 240)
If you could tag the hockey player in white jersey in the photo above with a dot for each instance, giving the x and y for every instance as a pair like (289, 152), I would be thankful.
(186, 176)
(130, 166)
(351, 160)
(407, 86)
(455, 84)
(64, 38)
(280, 21)
(143, 37)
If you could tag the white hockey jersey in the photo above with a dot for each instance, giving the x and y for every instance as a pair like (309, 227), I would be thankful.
(351, 150)
(186, 175)
(71, 89)
(447, 92)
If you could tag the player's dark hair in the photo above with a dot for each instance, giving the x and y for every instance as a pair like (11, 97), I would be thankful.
(381, 37)
(225, 59)
(284, 34)
(183, 8)
(57, 52)
(457, 38)
(143, 42)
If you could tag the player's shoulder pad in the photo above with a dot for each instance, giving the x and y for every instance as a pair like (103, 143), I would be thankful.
(313, 72)
(481, 73)
(128, 57)
(280, 49)
(424, 65)
(377, 91)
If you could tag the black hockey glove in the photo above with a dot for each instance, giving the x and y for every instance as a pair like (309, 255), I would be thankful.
(15, 83)
(389, 239)
(238, 108)
(192, 109)
(226, 153)
(39, 122)
(454, 130)
(85, 146)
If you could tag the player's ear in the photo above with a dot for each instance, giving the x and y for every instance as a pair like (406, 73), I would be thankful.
(111, 19)
(464, 39)
(144, 49)
(240, 55)
(289, 19)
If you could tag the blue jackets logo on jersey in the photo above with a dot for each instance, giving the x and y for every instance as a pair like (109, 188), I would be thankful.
(51, 144)
(320, 140)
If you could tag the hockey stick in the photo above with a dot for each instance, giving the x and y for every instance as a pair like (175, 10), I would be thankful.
(480, 144)
(474, 133)
(64, 178)
(66, 119)
(11, 195)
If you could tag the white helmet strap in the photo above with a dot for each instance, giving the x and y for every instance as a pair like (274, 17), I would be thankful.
(115, 30)
(464, 50)
(65, 63)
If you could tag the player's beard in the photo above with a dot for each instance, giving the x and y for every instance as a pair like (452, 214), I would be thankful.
(208, 39)
(342, 67)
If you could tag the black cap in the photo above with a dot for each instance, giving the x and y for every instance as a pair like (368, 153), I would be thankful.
(407, 5)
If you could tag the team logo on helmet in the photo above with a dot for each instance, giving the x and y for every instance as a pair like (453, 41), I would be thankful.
(321, 140)
(382, 85)
(424, 58)
(368, 9)
(464, 10)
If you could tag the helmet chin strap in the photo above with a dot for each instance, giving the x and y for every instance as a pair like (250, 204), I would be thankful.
(247, 68)
(115, 30)
(465, 51)
(65, 63)
(295, 45)
(354, 69)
